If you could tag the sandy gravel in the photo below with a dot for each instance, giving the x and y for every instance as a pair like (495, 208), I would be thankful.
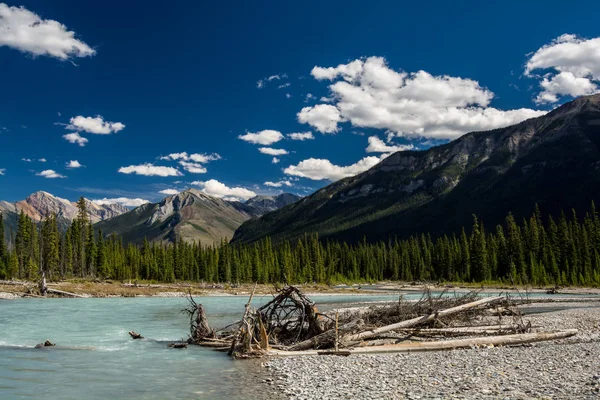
(565, 369)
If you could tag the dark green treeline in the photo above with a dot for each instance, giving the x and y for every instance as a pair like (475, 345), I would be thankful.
(563, 250)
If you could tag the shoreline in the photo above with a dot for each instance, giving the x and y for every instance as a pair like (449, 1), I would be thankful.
(10, 289)
(563, 369)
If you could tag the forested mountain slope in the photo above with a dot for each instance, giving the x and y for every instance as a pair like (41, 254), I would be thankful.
(553, 160)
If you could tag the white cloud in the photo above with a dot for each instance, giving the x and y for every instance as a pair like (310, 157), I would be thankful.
(288, 96)
(25, 31)
(50, 174)
(217, 189)
(73, 164)
(176, 156)
(193, 168)
(42, 160)
(124, 201)
(275, 160)
(377, 145)
(272, 152)
(26, 159)
(169, 192)
(195, 157)
(323, 117)
(148, 169)
(2, 171)
(573, 64)
(95, 125)
(265, 137)
(261, 83)
(308, 97)
(204, 158)
(284, 85)
(301, 136)
(320, 169)
(369, 94)
(279, 184)
(75, 138)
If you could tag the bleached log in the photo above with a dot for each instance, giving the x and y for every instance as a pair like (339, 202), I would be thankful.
(64, 293)
(243, 322)
(503, 340)
(327, 336)
(465, 329)
(421, 320)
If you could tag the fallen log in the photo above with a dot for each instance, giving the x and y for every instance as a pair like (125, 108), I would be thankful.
(327, 337)
(55, 291)
(216, 345)
(465, 330)
(503, 340)
(420, 320)
(178, 345)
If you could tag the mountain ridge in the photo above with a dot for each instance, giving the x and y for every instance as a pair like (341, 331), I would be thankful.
(191, 215)
(553, 160)
(41, 204)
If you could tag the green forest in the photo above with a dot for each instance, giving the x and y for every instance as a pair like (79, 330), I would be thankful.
(559, 250)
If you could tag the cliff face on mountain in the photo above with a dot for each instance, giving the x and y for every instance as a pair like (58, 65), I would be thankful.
(553, 160)
(191, 216)
(40, 205)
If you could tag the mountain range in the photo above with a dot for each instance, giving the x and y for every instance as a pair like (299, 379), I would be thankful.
(552, 160)
(192, 216)
(40, 205)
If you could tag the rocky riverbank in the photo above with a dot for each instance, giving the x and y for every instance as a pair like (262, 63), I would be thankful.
(565, 369)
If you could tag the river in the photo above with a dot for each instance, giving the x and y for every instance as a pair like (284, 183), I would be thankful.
(99, 360)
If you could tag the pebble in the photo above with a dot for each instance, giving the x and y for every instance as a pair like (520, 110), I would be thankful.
(564, 369)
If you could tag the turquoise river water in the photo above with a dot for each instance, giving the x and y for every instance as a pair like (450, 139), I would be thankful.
(101, 361)
(96, 359)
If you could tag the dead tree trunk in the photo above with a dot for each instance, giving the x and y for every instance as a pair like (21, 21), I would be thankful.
(244, 329)
(328, 337)
(420, 320)
(504, 340)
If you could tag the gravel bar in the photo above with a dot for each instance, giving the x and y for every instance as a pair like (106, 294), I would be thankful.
(564, 369)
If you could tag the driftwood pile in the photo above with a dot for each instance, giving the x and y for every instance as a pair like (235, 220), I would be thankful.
(290, 324)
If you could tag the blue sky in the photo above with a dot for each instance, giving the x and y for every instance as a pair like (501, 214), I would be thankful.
(145, 80)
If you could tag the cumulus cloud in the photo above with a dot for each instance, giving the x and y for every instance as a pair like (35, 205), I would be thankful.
(377, 145)
(169, 192)
(275, 160)
(323, 117)
(50, 174)
(42, 160)
(272, 152)
(2, 171)
(75, 138)
(27, 32)
(370, 94)
(279, 184)
(192, 167)
(570, 67)
(95, 125)
(73, 164)
(26, 159)
(148, 169)
(124, 201)
(322, 169)
(301, 136)
(284, 85)
(265, 138)
(217, 189)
